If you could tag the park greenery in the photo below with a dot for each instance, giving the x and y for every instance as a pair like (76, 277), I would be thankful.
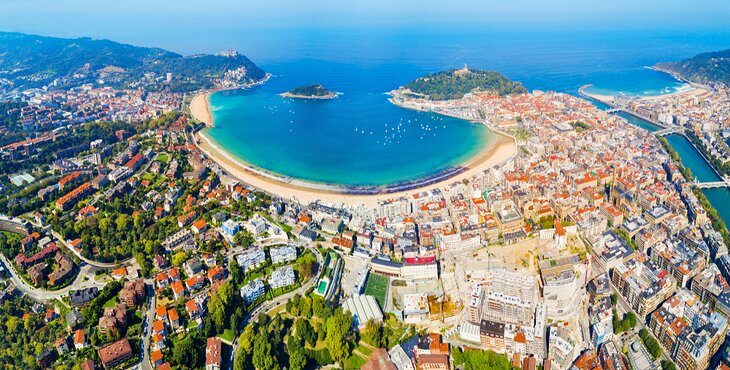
(626, 323)
(580, 126)
(310, 332)
(480, 359)
(650, 343)
(455, 83)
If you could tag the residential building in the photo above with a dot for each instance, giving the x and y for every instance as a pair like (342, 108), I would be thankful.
(116, 353)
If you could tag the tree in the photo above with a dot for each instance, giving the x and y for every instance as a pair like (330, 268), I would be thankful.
(650, 343)
(220, 307)
(306, 265)
(292, 305)
(263, 355)
(472, 360)
(320, 308)
(337, 327)
(297, 359)
(373, 333)
(304, 330)
(187, 352)
(237, 274)
(245, 348)
(305, 307)
(240, 362)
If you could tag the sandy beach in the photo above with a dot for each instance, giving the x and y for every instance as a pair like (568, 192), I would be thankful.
(200, 110)
(691, 90)
(304, 191)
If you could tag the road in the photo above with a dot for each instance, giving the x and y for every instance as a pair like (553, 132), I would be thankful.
(43, 294)
(278, 301)
(60, 240)
(100, 265)
(146, 364)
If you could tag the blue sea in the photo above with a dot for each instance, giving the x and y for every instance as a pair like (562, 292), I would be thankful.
(324, 140)
(361, 139)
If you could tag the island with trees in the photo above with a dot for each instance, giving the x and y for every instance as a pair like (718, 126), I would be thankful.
(455, 83)
(313, 91)
(702, 68)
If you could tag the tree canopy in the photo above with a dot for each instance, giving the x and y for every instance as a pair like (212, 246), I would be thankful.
(454, 84)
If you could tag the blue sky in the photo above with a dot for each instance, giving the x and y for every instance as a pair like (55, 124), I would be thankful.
(210, 25)
(84, 16)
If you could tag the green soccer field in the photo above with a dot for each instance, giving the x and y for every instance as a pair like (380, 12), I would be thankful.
(377, 287)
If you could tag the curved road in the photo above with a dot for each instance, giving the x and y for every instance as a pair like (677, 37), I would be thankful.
(101, 265)
(62, 241)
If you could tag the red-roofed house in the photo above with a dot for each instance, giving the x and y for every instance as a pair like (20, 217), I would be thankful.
(213, 354)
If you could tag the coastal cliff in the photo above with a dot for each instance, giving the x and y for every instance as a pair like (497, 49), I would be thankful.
(703, 68)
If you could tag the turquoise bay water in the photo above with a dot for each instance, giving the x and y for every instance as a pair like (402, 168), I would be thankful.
(317, 140)
(357, 139)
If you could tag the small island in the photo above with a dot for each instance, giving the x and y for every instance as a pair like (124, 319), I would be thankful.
(313, 91)
(455, 83)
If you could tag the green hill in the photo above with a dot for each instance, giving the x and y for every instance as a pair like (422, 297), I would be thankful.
(313, 90)
(454, 83)
(28, 61)
(702, 68)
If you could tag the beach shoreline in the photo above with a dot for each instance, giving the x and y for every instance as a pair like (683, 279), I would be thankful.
(692, 88)
(306, 191)
(200, 103)
(608, 99)
(494, 153)
(200, 108)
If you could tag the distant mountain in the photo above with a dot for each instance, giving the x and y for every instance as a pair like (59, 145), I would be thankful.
(702, 68)
(315, 91)
(455, 83)
(28, 61)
